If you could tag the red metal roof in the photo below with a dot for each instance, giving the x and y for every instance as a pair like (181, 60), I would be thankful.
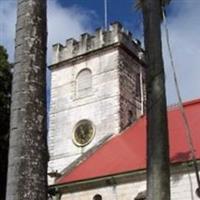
(126, 152)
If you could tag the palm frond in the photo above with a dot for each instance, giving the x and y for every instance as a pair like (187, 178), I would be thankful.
(165, 2)
(139, 3)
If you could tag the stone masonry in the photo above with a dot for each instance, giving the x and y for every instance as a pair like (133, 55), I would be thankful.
(117, 95)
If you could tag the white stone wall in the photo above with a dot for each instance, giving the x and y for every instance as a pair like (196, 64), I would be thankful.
(183, 187)
(100, 54)
(101, 38)
(101, 106)
(104, 105)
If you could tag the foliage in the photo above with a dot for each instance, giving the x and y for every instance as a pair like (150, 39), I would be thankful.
(5, 94)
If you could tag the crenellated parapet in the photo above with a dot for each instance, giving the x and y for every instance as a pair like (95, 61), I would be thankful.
(102, 38)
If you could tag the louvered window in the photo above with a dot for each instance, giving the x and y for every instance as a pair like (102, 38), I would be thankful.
(84, 83)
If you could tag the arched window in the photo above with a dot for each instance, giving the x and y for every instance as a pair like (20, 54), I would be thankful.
(97, 197)
(84, 83)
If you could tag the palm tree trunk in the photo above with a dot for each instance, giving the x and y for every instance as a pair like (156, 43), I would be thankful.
(27, 169)
(158, 172)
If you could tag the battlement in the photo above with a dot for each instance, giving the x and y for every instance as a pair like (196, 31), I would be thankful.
(102, 38)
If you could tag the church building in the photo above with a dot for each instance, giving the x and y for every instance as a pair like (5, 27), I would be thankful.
(97, 132)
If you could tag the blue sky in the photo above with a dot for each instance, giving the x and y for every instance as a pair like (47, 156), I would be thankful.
(118, 10)
(70, 18)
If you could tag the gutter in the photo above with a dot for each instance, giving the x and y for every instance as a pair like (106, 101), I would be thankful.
(115, 179)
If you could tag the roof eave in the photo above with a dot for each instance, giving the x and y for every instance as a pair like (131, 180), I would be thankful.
(120, 178)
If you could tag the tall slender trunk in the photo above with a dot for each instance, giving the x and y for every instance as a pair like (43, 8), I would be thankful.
(27, 170)
(158, 172)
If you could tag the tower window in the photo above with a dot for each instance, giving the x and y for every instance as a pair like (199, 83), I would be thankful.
(97, 197)
(138, 86)
(84, 83)
(130, 118)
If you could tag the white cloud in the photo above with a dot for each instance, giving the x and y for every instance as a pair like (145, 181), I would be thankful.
(63, 23)
(185, 40)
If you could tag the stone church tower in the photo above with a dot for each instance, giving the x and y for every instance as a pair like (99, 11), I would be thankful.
(97, 89)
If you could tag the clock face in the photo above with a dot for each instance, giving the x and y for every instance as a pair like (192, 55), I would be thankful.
(83, 133)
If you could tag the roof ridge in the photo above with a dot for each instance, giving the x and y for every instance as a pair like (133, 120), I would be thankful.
(191, 102)
(185, 104)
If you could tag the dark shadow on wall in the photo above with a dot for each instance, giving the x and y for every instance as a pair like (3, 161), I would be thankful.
(180, 157)
(184, 157)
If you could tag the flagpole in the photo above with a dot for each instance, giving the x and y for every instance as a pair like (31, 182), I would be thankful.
(106, 14)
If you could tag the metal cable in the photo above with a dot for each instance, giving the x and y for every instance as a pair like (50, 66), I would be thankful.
(180, 105)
